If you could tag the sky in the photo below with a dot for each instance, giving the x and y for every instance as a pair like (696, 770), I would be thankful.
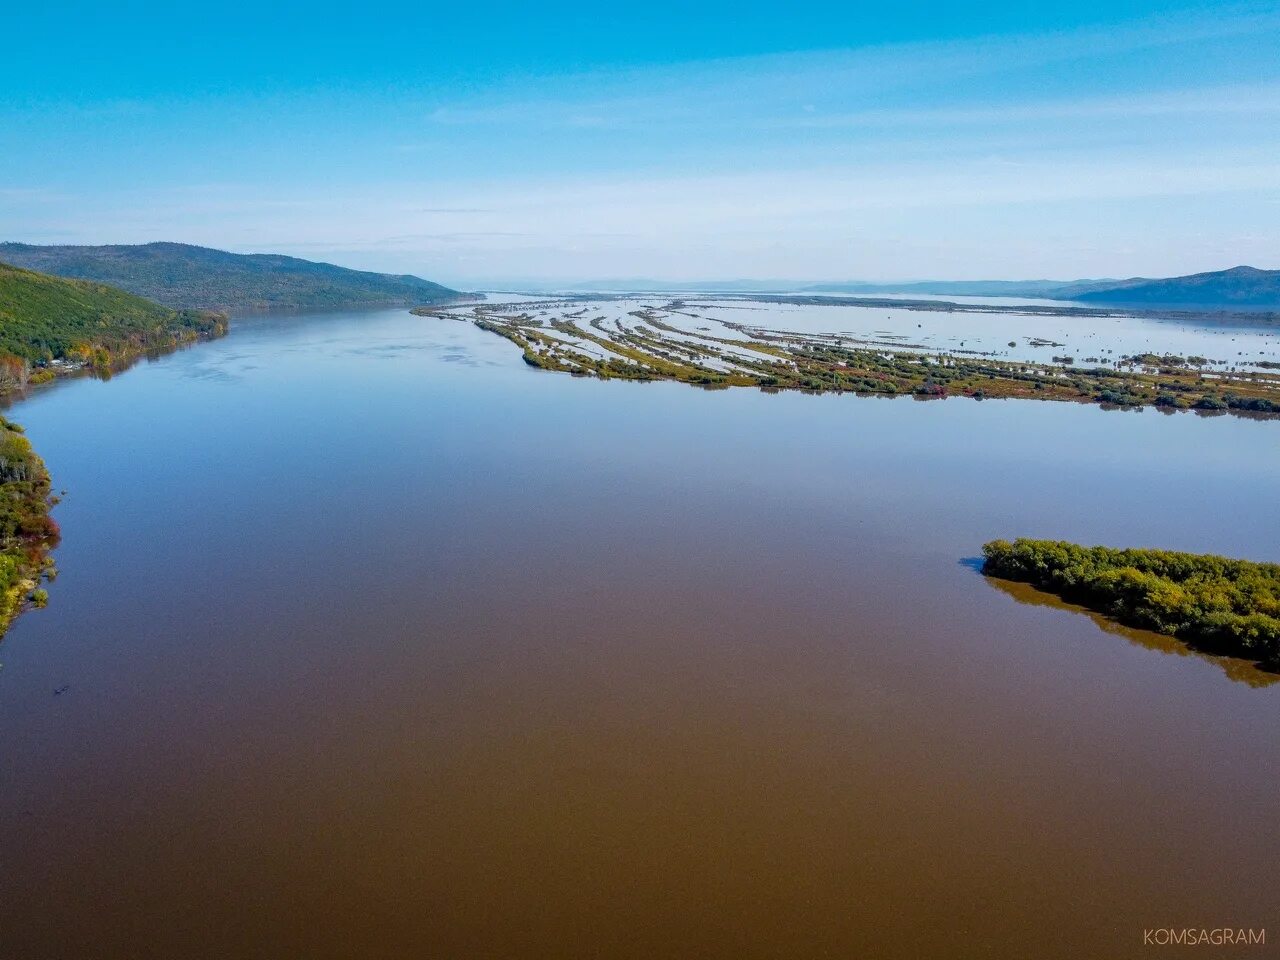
(488, 144)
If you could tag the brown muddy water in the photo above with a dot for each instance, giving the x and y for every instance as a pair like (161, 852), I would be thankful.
(374, 642)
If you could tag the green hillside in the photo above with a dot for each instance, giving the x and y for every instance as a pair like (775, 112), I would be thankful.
(188, 277)
(48, 325)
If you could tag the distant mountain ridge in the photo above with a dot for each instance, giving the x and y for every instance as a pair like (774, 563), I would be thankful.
(1043, 289)
(1239, 286)
(1236, 287)
(184, 276)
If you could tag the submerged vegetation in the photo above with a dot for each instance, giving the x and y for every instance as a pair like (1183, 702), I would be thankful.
(1222, 606)
(657, 344)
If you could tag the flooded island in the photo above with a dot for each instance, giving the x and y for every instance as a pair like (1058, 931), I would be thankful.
(696, 343)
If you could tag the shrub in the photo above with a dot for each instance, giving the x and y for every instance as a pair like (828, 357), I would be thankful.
(1227, 606)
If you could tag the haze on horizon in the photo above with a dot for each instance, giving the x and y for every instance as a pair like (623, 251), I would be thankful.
(493, 146)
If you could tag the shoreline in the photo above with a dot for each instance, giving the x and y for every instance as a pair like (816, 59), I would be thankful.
(28, 532)
(1217, 606)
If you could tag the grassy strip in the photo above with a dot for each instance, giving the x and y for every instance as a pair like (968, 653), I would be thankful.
(1223, 606)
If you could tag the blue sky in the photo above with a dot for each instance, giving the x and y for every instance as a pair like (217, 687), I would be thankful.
(487, 143)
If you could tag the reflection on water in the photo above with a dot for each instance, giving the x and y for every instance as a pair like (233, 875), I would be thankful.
(381, 643)
(1242, 671)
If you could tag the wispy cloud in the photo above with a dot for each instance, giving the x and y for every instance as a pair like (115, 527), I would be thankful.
(1126, 149)
(1256, 101)
(31, 195)
(729, 91)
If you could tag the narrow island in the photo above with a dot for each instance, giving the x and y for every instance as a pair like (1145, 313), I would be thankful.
(52, 327)
(1214, 604)
(665, 343)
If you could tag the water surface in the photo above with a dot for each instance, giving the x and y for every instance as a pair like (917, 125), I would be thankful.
(379, 643)
(1225, 342)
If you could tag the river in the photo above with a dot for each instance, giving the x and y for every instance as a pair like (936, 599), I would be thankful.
(372, 641)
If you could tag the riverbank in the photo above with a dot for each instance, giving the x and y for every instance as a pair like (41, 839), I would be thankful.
(27, 531)
(52, 328)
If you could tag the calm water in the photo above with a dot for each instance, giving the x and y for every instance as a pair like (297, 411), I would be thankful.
(378, 643)
(1226, 343)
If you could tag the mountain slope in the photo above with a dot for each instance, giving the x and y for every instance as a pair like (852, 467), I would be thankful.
(1239, 286)
(45, 319)
(183, 276)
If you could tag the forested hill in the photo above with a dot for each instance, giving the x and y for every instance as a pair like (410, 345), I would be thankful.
(1239, 286)
(183, 276)
(50, 324)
